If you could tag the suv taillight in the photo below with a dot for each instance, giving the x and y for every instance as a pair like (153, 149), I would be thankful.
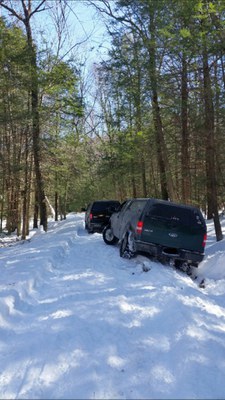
(139, 227)
(204, 240)
(91, 216)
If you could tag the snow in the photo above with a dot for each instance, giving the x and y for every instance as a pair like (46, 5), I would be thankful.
(79, 322)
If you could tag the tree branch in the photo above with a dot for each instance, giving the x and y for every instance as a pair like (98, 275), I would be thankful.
(110, 13)
(26, 10)
(37, 9)
(11, 10)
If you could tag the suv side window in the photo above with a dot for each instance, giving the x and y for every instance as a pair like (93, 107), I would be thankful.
(124, 206)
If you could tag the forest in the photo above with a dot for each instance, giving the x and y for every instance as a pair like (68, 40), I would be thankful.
(147, 121)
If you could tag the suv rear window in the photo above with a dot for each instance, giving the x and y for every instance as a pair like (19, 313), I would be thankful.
(177, 214)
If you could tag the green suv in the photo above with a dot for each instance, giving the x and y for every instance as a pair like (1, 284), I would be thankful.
(166, 230)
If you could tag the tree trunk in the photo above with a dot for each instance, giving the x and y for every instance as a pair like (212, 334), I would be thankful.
(36, 210)
(210, 148)
(185, 159)
(138, 115)
(167, 188)
(56, 205)
(36, 133)
(25, 211)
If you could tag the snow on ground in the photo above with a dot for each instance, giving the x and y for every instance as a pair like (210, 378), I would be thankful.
(79, 322)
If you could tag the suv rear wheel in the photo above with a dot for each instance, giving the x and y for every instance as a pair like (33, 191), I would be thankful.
(108, 236)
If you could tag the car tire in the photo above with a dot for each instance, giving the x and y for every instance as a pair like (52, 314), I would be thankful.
(108, 236)
(125, 246)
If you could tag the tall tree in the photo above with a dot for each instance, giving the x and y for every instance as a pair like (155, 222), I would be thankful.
(25, 18)
(15, 122)
(142, 19)
(209, 129)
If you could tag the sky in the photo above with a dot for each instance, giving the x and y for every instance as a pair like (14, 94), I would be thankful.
(83, 34)
(79, 322)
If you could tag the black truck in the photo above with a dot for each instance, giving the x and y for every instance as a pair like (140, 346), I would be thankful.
(98, 214)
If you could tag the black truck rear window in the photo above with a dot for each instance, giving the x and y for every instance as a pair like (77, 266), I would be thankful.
(103, 206)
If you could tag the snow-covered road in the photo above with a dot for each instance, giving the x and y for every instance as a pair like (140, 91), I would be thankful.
(79, 322)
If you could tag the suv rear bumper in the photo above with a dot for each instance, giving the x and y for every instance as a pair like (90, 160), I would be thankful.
(157, 250)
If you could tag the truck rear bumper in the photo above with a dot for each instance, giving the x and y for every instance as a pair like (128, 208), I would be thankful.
(158, 251)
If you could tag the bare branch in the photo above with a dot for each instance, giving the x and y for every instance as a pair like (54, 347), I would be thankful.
(11, 10)
(66, 4)
(37, 9)
(107, 10)
(71, 48)
(27, 10)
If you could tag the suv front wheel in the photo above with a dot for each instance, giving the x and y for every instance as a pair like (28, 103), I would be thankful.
(108, 236)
